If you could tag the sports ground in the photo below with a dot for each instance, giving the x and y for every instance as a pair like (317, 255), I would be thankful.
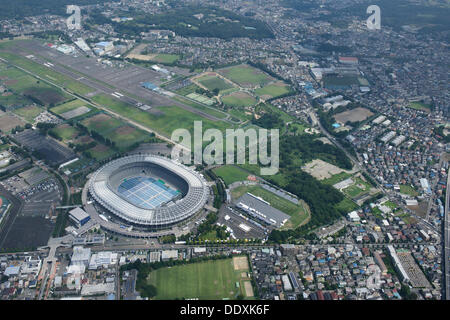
(207, 280)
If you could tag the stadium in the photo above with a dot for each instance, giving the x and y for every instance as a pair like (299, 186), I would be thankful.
(148, 190)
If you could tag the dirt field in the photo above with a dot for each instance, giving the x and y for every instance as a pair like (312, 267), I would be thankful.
(240, 263)
(248, 289)
(142, 57)
(8, 122)
(320, 169)
(354, 115)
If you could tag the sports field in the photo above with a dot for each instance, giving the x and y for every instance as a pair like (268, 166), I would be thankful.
(272, 90)
(116, 130)
(212, 82)
(358, 188)
(100, 152)
(239, 99)
(230, 174)
(74, 109)
(166, 58)
(298, 212)
(245, 75)
(208, 280)
(420, 106)
(101, 123)
(28, 112)
(66, 132)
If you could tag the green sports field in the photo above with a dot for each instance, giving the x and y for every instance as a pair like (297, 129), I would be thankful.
(208, 280)
(28, 112)
(239, 99)
(166, 58)
(245, 75)
(214, 82)
(65, 132)
(272, 90)
(230, 174)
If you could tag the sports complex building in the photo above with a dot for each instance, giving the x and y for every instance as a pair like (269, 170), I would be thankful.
(149, 191)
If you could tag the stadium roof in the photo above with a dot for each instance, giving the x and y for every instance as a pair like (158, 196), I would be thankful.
(193, 201)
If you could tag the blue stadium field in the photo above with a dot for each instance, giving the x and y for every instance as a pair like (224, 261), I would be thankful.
(147, 193)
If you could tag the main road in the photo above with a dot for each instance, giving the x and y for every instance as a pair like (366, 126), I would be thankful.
(447, 239)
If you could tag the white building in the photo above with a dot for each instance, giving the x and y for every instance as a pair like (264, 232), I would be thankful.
(80, 256)
(169, 254)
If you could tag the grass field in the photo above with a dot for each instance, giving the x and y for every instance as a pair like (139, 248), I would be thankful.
(166, 58)
(116, 130)
(214, 82)
(420, 106)
(100, 152)
(337, 178)
(272, 91)
(245, 75)
(28, 112)
(68, 106)
(46, 73)
(211, 111)
(405, 189)
(215, 279)
(23, 84)
(164, 120)
(299, 214)
(187, 90)
(359, 187)
(65, 132)
(230, 174)
(239, 99)
(347, 205)
(102, 123)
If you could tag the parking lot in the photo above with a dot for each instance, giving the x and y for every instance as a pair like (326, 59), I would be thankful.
(243, 227)
(48, 148)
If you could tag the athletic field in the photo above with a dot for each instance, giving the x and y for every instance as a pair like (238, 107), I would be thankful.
(208, 280)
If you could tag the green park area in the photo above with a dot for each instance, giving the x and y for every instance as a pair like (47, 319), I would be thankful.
(245, 75)
(231, 173)
(272, 91)
(66, 132)
(29, 112)
(408, 190)
(206, 280)
(239, 99)
(420, 106)
(166, 58)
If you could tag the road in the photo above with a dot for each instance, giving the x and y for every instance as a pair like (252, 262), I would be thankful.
(447, 239)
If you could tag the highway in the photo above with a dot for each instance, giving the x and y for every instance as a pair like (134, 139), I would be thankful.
(447, 240)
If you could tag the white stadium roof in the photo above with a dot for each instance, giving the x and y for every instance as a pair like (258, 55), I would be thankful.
(192, 202)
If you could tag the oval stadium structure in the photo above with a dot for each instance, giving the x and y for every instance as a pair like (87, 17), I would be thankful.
(149, 190)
